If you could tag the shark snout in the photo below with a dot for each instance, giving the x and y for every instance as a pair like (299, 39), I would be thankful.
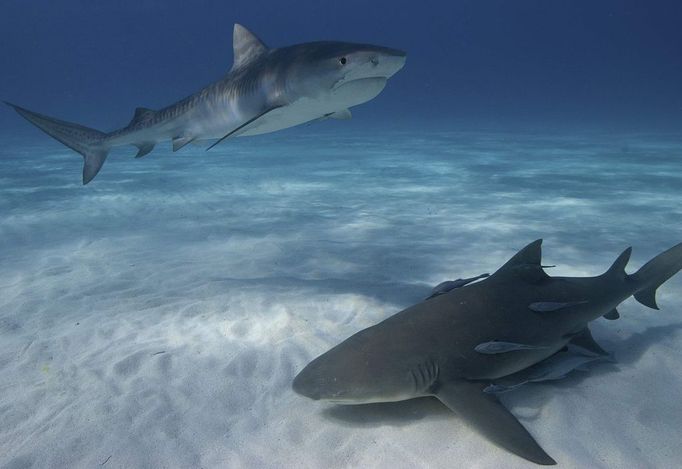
(307, 385)
(390, 61)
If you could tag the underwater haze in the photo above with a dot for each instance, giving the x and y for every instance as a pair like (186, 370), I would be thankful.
(157, 316)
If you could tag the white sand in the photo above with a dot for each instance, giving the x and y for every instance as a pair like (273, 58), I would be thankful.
(157, 317)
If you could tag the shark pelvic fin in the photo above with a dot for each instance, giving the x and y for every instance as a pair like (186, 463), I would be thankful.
(179, 142)
(246, 46)
(491, 419)
(250, 121)
(143, 149)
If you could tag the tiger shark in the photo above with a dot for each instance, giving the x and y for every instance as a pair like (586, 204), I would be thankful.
(466, 345)
(265, 90)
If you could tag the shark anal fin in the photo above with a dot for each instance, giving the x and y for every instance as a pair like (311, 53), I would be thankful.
(250, 121)
(612, 315)
(491, 419)
(179, 142)
(584, 340)
(143, 149)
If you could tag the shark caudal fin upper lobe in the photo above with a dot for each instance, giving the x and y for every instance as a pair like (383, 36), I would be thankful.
(654, 273)
(88, 142)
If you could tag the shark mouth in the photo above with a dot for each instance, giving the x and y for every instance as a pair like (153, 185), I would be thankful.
(360, 81)
(354, 92)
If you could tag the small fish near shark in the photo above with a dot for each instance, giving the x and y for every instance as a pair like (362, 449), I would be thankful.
(475, 341)
(267, 89)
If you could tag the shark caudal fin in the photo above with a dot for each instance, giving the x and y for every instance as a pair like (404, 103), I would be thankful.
(654, 273)
(88, 142)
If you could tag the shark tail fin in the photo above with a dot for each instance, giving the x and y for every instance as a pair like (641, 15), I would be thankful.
(654, 273)
(88, 142)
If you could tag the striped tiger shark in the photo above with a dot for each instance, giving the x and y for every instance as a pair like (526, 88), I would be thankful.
(467, 345)
(267, 89)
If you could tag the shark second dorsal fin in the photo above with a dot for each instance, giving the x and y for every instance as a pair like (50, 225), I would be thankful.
(141, 114)
(246, 46)
(618, 266)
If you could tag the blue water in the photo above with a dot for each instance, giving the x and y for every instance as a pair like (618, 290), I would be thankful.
(156, 317)
(244, 264)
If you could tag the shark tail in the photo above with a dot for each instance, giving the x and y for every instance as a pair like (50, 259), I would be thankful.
(88, 142)
(654, 273)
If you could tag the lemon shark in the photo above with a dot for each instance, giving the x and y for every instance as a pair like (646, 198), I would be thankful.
(267, 89)
(466, 345)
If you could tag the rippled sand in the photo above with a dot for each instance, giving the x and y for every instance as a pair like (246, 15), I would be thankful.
(156, 317)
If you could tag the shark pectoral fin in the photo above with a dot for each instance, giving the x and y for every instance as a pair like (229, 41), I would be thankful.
(181, 141)
(248, 122)
(491, 419)
(343, 114)
(612, 315)
(584, 340)
(143, 149)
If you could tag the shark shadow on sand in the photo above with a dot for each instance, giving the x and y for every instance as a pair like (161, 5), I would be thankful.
(467, 345)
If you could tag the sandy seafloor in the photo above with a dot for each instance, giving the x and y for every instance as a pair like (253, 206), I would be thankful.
(156, 317)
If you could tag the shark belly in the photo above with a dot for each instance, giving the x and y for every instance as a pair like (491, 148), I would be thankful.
(308, 109)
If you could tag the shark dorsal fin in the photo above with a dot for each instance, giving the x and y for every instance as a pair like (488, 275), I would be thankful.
(530, 255)
(527, 263)
(618, 266)
(246, 46)
(141, 114)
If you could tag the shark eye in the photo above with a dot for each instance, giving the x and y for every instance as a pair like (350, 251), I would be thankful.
(343, 61)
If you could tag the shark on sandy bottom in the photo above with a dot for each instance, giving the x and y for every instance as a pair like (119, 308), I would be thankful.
(266, 90)
(466, 345)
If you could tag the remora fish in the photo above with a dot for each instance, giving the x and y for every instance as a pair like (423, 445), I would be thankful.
(429, 349)
(266, 90)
